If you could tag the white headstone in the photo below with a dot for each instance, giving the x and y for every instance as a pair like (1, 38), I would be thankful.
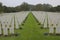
(58, 24)
(51, 30)
(11, 30)
(12, 24)
(5, 31)
(57, 30)
(16, 23)
(3, 25)
(46, 21)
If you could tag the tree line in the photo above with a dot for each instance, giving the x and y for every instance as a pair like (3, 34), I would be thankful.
(29, 7)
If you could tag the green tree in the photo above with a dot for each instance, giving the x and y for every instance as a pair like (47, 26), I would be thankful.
(23, 7)
(1, 7)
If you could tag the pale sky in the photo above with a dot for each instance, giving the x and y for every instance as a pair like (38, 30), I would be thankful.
(13, 3)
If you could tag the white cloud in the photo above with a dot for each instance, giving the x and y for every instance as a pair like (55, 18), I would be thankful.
(18, 2)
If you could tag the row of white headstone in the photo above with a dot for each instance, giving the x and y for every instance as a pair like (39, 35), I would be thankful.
(4, 25)
(54, 23)
(50, 20)
(7, 22)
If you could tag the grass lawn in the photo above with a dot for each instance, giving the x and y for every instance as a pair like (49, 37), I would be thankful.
(31, 31)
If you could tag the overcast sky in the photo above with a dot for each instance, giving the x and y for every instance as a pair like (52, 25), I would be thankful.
(13, 3)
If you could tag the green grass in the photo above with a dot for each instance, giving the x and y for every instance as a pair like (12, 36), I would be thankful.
(31, 31)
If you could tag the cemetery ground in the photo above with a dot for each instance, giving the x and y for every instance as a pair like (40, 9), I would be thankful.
(31, 31)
